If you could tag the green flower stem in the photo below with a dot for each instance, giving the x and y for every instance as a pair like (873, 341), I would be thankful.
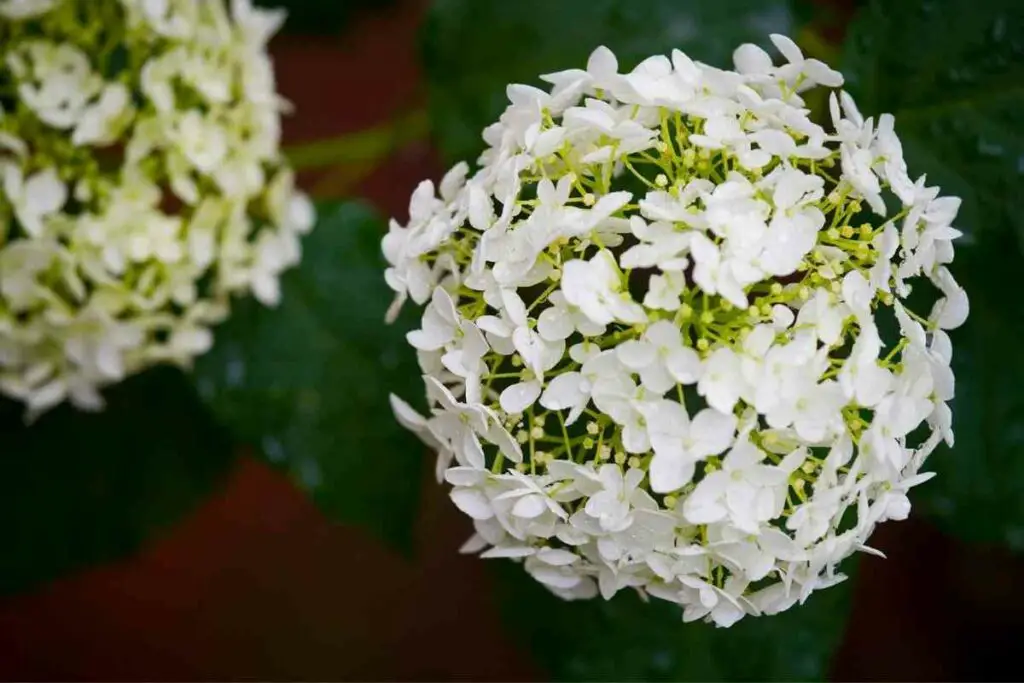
(369, 145)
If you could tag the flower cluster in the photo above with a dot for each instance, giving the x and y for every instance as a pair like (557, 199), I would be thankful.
(141, 185)
(667, 343)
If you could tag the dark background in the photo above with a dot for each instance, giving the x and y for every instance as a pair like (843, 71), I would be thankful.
(257, 583)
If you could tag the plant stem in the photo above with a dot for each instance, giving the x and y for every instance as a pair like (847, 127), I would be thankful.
(370, 145)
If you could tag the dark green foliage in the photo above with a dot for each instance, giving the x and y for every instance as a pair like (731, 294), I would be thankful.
(307, 383)
(473, 48)
(952, 72)
(625, 639)
(83, 488)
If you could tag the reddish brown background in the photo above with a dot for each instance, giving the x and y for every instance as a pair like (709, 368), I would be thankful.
(257, 584)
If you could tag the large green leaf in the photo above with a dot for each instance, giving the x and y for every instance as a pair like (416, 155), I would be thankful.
(952, 72)
(308, 382)
(625, 639)
(82, 488)
(979, 491)
(474, 48)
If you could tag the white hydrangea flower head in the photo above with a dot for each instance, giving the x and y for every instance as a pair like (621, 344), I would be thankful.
(667, 343)
(141, 186)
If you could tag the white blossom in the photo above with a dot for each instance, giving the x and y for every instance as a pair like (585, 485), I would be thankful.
(135, 213)
(679, 443)
(595, 287)
(746, 491)
(666, 364)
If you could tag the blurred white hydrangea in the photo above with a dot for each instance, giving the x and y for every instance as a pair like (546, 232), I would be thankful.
(141, 185)
(666, 342)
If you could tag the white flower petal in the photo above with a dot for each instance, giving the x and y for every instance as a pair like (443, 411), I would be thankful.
(473, 502)
(635, 354)
(564, 391)
(518, 397)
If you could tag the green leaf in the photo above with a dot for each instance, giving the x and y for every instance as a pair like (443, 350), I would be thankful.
(952, 73)
(625, 639)
(474, 48)
(83, 488)
(308, 382)
(978, 494)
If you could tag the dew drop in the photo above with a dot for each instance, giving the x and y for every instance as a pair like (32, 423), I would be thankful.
(662, 660)
(235, 372)
(999, 28)
(681, 30)
(1014, 434)
(990, 149)
(206, 388)
(774, 20)
(273, 449)
(308, 401)
(943, 506)
(1015, 538)
(310, 473)
(389, 359)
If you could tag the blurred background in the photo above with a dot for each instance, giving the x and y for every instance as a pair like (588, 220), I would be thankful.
(256, 582)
